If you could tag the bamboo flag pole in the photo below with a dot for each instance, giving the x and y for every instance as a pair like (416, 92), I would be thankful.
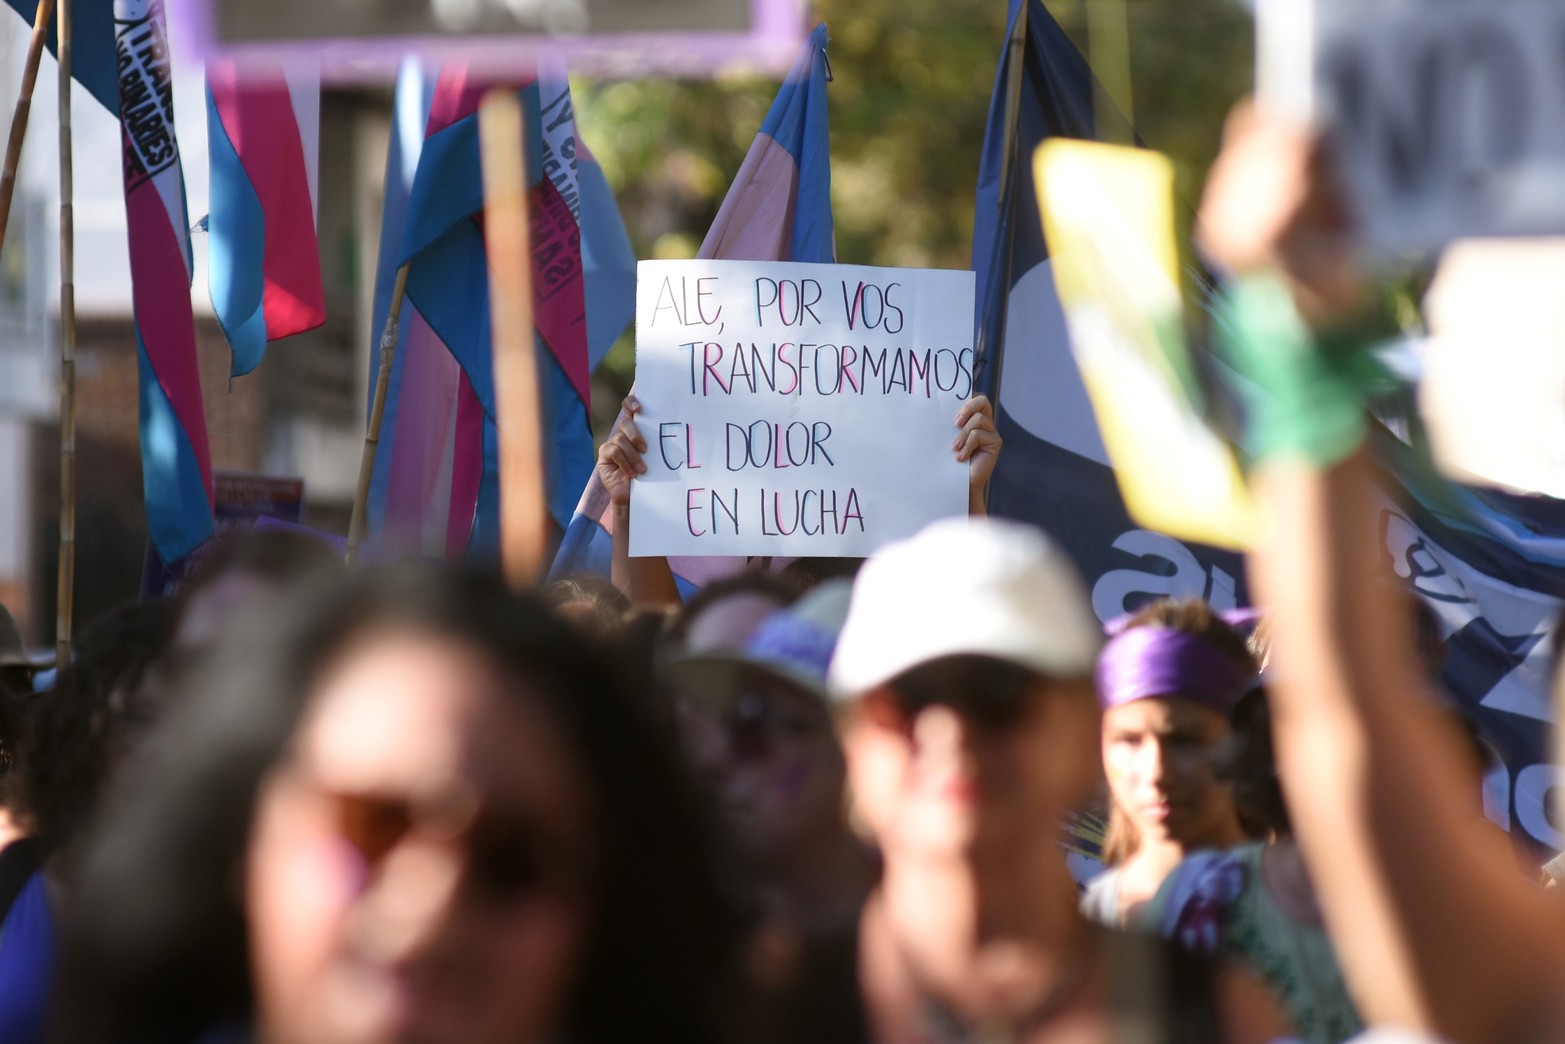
(24, 109)
(65, 595)
(388, 355)
(524, 516)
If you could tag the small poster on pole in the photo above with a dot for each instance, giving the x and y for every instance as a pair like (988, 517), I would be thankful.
(797, 409)
(1448, 118)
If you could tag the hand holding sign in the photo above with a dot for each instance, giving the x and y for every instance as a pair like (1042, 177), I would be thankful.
(978, 445)
(801, 409)
(619, 458)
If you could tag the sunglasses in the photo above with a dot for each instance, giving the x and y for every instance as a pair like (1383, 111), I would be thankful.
(508, 859)
(760, 716)
(990, 694)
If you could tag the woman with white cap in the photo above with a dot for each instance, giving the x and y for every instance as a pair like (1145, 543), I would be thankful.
(964, 677)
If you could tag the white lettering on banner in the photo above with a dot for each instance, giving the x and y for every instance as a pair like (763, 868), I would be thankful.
(797, 409)
(1460, 596)
(1535, 786)
(559, 139)
(145, 90)
(1450, 117)
(1112, 593)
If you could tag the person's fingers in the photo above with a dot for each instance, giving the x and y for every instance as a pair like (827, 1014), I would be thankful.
(623, 458)
(631, 405)
(978, 422)
(626, 431)
(977, 441)
(978, 405)
(1240, 119)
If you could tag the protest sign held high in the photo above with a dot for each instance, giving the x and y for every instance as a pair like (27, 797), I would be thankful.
(1449, 118)
(795, 408)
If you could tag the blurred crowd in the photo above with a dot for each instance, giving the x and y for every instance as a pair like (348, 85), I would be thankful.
(926, 798)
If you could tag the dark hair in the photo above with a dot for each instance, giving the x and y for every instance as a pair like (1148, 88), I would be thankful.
(594, 602)
(278, 557)
(803, 574)
(1192, 616)
(1246, 762)
(75, 734)
(157, 948)
(750, 582)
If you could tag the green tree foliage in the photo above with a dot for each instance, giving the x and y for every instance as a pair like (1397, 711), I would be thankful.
(908, 103)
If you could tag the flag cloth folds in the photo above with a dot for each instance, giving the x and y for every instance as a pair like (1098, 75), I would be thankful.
(1490, 567)
(175, 457)
(264, 134)
(581, 256)
(93, 61)
(777, 209)
(1054, 471)
(410, 487)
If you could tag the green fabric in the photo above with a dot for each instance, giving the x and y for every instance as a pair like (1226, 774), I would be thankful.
(1296, 960)
(1304, 394)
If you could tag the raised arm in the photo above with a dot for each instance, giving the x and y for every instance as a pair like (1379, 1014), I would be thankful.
(1434, 927)
(645, 581)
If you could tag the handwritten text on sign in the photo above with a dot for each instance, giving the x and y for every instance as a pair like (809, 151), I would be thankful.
(1449, 117)
(796, 409)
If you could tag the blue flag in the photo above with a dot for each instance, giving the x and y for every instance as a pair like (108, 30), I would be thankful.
(92, 46)
(1490, 567)
(1054, 471)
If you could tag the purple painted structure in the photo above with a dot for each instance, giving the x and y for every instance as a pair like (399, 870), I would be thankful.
(776, 31)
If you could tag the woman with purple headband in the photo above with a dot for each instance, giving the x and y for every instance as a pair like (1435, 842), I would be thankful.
(1167, 682)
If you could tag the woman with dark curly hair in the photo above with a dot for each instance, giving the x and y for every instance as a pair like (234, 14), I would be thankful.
(407, 805)
(67, 746)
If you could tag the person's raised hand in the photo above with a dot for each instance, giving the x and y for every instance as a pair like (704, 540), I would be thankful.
(978, 444)
(619, 458)
(1273, 204)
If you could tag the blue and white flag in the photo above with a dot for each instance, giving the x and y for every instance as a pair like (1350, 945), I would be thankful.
(1054, 471)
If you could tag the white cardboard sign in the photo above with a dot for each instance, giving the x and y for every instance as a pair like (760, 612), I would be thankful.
(797, 409)
(1448, 117)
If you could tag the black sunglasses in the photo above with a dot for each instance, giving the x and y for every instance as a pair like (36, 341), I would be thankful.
(762, 713)
(507, 860)
(991, 694)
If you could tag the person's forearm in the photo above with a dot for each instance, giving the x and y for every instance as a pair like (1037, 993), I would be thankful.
(647, 582)
(1433, 926)
(977, 501)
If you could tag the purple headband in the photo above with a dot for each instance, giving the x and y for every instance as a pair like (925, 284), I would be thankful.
(1142, 662)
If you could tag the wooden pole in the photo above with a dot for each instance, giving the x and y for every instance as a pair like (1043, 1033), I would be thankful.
(24, 109)
(65, 595)
(524, 518)
(388, 355)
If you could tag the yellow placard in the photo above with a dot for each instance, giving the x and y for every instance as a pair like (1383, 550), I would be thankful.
(1108, 214)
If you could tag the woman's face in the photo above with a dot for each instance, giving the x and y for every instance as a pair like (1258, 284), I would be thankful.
(953, 768)
(1157, 754)
(768, 748)
(416, 862)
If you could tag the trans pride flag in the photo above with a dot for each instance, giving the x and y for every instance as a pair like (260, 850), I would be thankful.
(264, 134)
(175, 459)
(778, 209)
(436, 487)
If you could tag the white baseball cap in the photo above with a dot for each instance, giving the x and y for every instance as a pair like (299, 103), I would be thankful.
(971, 586)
